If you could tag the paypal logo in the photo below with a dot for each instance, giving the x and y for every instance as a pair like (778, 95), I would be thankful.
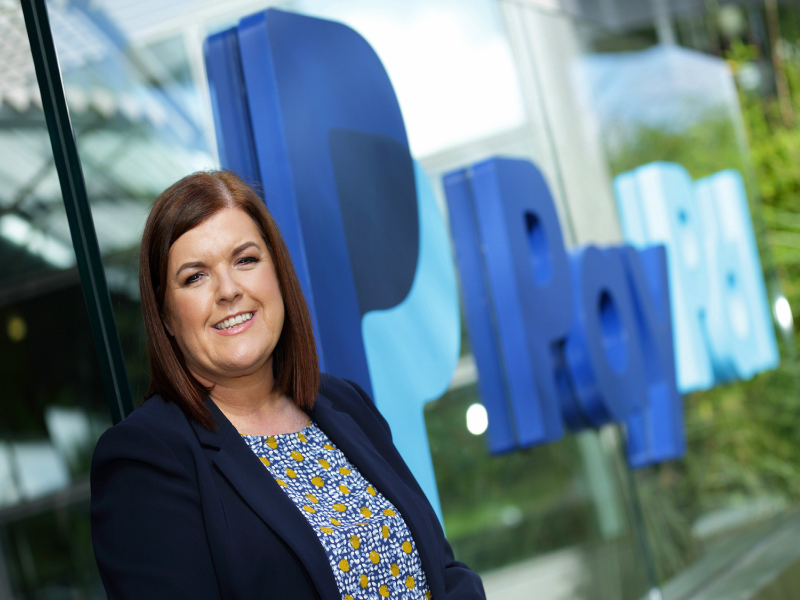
(598, 334)
(304, 107)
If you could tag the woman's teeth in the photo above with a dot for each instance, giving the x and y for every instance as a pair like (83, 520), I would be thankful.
(228, 323)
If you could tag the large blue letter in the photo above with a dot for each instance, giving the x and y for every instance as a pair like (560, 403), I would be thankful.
(527, 285)
(656, 429)
(657, 206)
(328, 142)
(603, 351)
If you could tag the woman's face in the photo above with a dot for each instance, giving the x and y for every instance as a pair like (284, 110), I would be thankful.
(223, 302)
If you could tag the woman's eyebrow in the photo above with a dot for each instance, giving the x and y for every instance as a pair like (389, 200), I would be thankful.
(191, 265)
(244, 247)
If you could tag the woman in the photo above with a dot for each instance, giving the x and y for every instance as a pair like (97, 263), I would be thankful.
(244, 474)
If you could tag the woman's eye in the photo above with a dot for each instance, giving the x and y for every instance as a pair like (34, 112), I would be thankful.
(192, 278)
(248, 259)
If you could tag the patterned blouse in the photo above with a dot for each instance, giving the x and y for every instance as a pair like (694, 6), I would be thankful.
(368, 544)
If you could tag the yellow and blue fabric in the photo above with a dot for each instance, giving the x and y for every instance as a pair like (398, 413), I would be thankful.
(367, 542)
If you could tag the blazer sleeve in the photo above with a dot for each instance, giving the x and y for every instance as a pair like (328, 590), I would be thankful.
(147, 521)
(461, 583)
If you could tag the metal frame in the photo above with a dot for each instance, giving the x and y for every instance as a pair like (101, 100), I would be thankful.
(79, 215)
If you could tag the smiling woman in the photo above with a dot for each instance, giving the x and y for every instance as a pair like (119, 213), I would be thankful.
(244, 474)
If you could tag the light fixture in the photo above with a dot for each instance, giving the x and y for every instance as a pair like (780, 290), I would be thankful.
(16, 328)
(783, 313)
(477, 419)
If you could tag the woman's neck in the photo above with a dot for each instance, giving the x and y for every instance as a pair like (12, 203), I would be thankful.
(256, 407)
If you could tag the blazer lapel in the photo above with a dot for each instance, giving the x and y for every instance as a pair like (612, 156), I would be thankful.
(260, 491)
(351, 440)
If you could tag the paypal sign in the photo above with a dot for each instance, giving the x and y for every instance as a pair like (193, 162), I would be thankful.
(304, 107)
(580, 338)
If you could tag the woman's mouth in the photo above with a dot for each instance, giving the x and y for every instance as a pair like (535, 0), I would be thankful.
(232, 323)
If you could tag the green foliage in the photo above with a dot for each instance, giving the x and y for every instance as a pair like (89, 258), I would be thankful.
(707, 146)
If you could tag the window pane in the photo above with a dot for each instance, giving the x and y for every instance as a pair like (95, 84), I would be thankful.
(53, 407)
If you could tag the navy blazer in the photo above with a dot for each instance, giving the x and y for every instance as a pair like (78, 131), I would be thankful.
(180, 511)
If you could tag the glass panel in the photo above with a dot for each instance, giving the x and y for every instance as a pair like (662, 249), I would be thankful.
(549, 517)
(651, 102)
(53, 406)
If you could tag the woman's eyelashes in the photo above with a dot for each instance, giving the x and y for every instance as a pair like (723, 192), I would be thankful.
(245, 260)
(192, 278)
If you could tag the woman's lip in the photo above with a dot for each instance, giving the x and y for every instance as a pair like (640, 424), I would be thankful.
(236, 328)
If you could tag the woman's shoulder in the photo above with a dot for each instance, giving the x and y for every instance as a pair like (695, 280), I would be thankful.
(350, 397)
(343, 393)
(157, 430)
(332, 386)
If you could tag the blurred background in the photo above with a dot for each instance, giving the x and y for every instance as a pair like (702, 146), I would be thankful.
(586, 89)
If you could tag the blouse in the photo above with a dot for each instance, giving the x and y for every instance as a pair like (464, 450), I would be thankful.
(366, 540)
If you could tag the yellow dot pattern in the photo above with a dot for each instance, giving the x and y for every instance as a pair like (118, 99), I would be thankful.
(366, 540)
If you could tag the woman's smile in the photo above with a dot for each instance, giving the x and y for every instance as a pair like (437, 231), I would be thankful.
(231, 325)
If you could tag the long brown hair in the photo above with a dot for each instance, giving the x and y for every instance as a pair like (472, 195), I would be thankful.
(181, 207)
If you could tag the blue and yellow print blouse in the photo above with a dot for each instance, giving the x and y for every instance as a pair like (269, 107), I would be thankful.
(368, 544)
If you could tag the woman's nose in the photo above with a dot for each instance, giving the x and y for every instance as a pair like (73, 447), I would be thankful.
(228, 288)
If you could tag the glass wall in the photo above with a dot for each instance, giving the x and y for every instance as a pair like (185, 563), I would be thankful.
(582, 89)
(53, 406)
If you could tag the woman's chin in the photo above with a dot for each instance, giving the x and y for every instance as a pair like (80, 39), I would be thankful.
(241, 367)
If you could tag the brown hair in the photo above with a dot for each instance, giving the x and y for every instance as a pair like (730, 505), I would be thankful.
(183, 206)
